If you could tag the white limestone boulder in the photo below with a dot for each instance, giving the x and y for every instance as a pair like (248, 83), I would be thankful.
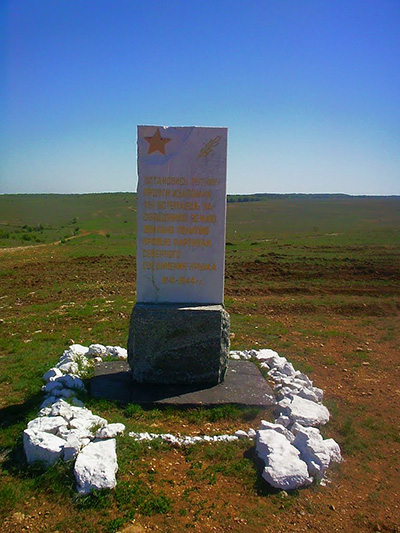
(252, 433)
(96, 466)
(97, 350)
(308, 394)
(270, 358)
(78, 349)
(277, 427)
(241, 434)
(63, 393)
(69, 367)
(42, 446)
(85, 420)
(110, 431)
(72, 446)
(283, 421)
(304, 411)
(51, 386)
(61, 408)
(83, 435)
(72, 382)
(117, 352)
(303, 379)
(52, 374)
(315, 451)
(47, 424)
(283, 467)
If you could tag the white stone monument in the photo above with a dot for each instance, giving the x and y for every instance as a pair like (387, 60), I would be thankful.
(181, 214)
(179, 331)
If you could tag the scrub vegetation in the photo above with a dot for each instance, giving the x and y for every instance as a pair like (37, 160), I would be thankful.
(315, 278)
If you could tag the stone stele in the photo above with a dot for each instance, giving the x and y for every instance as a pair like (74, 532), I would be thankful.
(179, 330)
(176, 344)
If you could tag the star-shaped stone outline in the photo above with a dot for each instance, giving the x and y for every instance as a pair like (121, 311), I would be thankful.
(157, 143)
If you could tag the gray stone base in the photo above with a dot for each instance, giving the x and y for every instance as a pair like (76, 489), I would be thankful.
(243, 385)
(177, 344)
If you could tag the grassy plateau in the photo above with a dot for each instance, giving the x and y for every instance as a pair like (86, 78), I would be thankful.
(314, 277)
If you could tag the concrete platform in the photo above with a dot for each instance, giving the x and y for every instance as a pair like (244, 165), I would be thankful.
(244, 385)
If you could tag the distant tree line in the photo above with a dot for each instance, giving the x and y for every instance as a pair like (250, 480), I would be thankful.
(257, 197)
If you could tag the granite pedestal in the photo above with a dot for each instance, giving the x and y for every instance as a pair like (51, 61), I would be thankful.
(178, 343)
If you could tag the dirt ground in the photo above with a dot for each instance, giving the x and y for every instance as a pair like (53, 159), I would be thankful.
(343, 330)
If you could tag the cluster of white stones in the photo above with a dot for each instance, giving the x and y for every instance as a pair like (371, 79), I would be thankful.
(183, 440)
(292, 448)
(67, 430)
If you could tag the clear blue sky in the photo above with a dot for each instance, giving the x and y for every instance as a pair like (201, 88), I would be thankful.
(309, 89)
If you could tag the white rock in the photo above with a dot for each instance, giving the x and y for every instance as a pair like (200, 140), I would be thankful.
(334, 450)
(68, 356)
(47, 424)
(42, 446)
(110, 431)
(319, 393)
(96, 466)
(283, 421)
(246, 355)
(72, 382)
(304, 411)
(241, 434)
(97, 350)
(315, 451)
(308, 394)
(61, 408)
(78, 349)
(52, 374)
(234, 355)
(287, 369)
(286, 392)
(97, 359)
(45, 411)
(277, 375)
(277, 427)
(252, 433)
(69, 368)
(118, 352)
(85, 420)
(71, 447)
(51, 387)
(82, 434)
(271, 358)
(303, 378)
(63, 393)
(284, 469)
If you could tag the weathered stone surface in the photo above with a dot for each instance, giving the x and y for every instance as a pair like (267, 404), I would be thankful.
(48, 424)
(278, 428)
(41, 446)
(304, 411)
(117, 352)
(72, 447)
(284, 469)
(97, 350)
(315, 451)
(110, 431)
(174, 344)
(96, 466)
(52, 374)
